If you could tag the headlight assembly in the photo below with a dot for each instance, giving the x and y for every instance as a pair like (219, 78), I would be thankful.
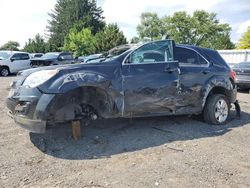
(38, 78)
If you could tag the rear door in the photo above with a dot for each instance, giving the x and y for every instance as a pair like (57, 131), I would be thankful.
(25, 61)
(150, 80)
(195, 70)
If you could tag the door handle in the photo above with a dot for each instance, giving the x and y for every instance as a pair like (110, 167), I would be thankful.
(206, 71)
(169, 70)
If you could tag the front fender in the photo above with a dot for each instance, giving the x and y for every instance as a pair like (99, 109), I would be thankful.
(64, 83)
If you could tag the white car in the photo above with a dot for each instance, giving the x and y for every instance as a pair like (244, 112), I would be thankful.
(13, 61)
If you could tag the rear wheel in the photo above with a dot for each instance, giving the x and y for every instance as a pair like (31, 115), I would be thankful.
(33, 65)
(4, 71)
(217, 109)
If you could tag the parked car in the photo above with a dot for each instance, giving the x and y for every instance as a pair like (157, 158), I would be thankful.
(242, 71)
(53, 58)
(155, 79)
(85, 59)
(36, 55)
(13, 61)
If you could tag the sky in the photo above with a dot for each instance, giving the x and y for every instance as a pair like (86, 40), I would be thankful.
(23, 19)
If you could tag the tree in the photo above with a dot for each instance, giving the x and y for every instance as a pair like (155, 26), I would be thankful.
(69, 12)
(36, 45)
(109, 38)
(135, 40)
(10, 45)
(201, 28)
(150, 26)
(81, 43)
(244, 42)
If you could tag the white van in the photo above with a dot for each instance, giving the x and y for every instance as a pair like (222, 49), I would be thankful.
(13, 61)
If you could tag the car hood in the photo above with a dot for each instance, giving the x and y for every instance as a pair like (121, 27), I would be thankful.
(66, 67)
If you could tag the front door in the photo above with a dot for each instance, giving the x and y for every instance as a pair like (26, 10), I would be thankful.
(150, 80)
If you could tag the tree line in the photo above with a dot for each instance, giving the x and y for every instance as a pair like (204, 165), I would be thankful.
(79, 26)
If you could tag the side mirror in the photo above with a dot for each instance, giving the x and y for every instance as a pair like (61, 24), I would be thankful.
(60, 58)
(12, 59)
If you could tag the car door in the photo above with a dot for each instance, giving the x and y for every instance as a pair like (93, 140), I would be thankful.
(150, 80)
(195, 71)
(20, 61)
(25, 61)
(65, 58)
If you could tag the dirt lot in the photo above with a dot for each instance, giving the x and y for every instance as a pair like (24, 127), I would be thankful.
(146, 152)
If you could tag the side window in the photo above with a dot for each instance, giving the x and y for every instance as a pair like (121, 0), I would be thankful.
(160, 51)
(187, 57)
(66, 57)
(25, 57)
(20, 56)
(16, 57)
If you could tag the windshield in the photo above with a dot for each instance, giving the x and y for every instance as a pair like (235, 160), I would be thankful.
(50, 55)
(4, 55)
(242, 65)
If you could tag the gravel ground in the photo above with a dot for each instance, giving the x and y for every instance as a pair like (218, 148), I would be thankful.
(145, 152)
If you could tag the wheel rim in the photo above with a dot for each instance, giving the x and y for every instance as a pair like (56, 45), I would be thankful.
(4, 72)
(221, 111)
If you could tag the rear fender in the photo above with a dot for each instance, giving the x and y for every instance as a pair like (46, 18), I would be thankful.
(218, 82)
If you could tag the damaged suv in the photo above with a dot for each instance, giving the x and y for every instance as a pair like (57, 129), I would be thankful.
(155, 79)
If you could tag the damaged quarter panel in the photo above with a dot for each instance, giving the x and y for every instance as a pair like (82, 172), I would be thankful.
(98, 85)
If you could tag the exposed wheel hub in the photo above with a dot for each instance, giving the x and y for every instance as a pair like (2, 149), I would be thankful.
(221, 110)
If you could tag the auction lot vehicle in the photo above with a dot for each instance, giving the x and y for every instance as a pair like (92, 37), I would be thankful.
(13, 61)
(36, 55)
(242, 71)
(155, 79)
(53, 58)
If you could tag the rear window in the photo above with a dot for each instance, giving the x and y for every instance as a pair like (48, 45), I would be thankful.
(212, 56)
(188, 57)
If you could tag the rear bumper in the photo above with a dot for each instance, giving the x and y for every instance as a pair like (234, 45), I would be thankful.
(30, 112)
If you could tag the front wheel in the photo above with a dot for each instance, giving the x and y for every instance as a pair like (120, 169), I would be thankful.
(4, 71)
(217, 109)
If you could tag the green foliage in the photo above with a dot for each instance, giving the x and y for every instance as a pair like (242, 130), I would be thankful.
(10, 45)
(109, 38)
(150, 26)
(36, 45)
(84, 42)
(135, 40)
(66, 14)
(244, 42)
(201, 28)
(81, 43)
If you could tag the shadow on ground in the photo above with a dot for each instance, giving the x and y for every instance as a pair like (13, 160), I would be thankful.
(104, 138)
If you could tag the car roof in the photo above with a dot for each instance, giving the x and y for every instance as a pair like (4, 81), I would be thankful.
(13, 52)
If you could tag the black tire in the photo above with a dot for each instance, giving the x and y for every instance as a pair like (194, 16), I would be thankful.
(211, 108)
(33, 65)
(4, 71)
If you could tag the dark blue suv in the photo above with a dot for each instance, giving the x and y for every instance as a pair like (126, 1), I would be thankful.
(155, 79)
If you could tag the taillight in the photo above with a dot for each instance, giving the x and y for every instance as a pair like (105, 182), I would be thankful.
(232, 74)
